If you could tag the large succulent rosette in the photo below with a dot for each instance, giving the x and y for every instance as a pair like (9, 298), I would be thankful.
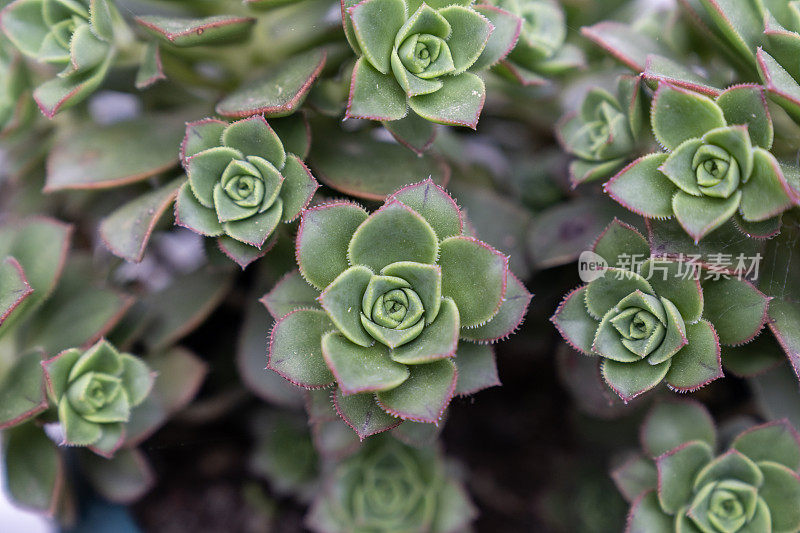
(651, 320)
(390, 487)
(680, 484)
(391, 295)
(419, 55)
(718, 163)
(242, 184)
(94, 391)
(75, 36)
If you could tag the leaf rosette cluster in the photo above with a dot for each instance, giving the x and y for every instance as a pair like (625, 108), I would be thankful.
(680, 484)
(654, 320)
(391, 487)
(94, 391)
(391, 295)
(717, 163)
(242, 182)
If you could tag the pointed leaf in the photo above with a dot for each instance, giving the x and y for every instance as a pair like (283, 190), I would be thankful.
(781, 493)
(458, 103)
(677, 283)
(57, 94)
(677, 469)
(642, 188)
(373, 95)
(635, 476)
(256, 229)
(646, 516)
(413, 132)
(201, 135)
(360, 412)
(298, 187)
(123, 479)
(508, 318)
(469, 34)
(425, 395)
(605, 292)
(781, 87)
(672, 423)
(438, 340)
(184, 32)
(191, 214)
(375, 23)
(253, 136)
(22, 394)
(575, 323)
(434, 204)
(290, 293)
(736, 308)
(701, 215)
(679, 115)
(625, 43)
(14, 287)
(621, 245)
(698, 363)
(296, 350)
(359, 369)
(34, 473)
(746, 104)
(477, 368)
(503, 38)
(777, 442)
(629, 380)
(784, 320)
(342, 301)
(766, 193)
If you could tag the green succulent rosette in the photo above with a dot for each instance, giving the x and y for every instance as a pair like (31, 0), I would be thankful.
(242, 184)
(717, 163)
(78, 37)
(650, 319)
(540, 51)
(419, 55)
(603, 134)
(94, 391)
(400, 311)
(680, 484)
(390, 487)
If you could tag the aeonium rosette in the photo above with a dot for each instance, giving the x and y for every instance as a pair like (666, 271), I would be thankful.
(94, 391)
(419, 55)
(679, 483)
(388, 486)
(242, 184)
(391, 295)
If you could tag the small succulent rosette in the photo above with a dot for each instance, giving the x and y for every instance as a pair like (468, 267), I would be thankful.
(391, 487)
(603, 134)
(540, 51)
(391, 294)
(242, 184)
(717, 164)
(423, 56)
(680, 483)
(94, 391)
(79, 37)
(651, 319)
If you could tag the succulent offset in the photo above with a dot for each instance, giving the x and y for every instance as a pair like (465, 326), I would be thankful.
(648, 317)
(391, 295)
(242, 183)
(390, 487)
(419, 55)
(682, 483)
(604, 132)
(94, 391)
(717, 163)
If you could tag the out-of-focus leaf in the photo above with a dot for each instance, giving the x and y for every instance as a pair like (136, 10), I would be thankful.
(123, 479)
(22, 394)
(220, 29)
(34, 472)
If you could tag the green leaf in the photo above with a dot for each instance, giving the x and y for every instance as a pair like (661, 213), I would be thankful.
(736, 308)
(298, 187)
(455, 511)
(434, 204)
(621, 245)
(205, 171)
(679, 115)
(322, 240)
(256, 229)
(746, 104)
(741, 24)
(14, 287)
(603, 293)
(342, 301)
(201, 135)
(468, 36)
(77, 430)
(679, 167)
(191, 214)
(671, 280)
(295, 133)
(781, 87)
(635, 476)
(766, 193)
(672, 423)
(393, 233)
(24, 26)
(425, 280)
(502, 39)
(126, 231)
(574, 322)
(359, 369)
(438, 339)
(376, 22)
(677, 469)
(425, 395)
(508, 319)
(184, 32)
(290, 293)
(646, 516)
(625, 43)
(629, 380)
(784, 319)
(150, 70)
(295, 350)
(700, 215)
(22, 394)
(123, 479)
(360, 412)
(754, 358)
(698, 363)
(33, 469)
(730, 465)
(642, 188)
(664, 70)
(458, 103)
(781, 493)
(88, 156)
(777, 442)
(423, 19)
(413, 132)
(477, 368)
(736, 141)
(254, 136)
(58, 94)
(137, 379)
(86, 50)
(101, 18)
(280, 91)
(475, 276)
(375, 96)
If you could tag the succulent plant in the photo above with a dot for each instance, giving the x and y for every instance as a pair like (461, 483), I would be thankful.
(78, 37)
(718, 162)
(681, 483)
(391, 295)
(242, 183)
(388, 486)
(604, 132)
(540, 50)
(419, 55)
(94, 391)
(14, 103)
(644, 316)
